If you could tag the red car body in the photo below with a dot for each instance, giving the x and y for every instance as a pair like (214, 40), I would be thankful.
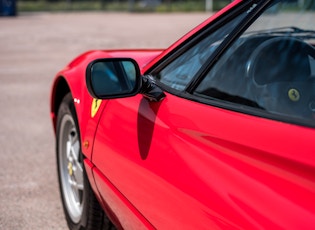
(181, 164)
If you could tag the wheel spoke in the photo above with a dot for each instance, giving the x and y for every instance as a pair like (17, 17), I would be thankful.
(68, 149)
(75, 191)
(75, 149)
(77, 167)
(78, 174)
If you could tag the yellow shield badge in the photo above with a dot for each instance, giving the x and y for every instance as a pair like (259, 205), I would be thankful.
(96, 103)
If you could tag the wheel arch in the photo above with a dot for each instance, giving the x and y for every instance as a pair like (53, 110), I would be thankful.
(59, 90)
(71, 83)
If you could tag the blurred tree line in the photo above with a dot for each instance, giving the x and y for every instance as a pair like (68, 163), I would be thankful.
(128, 5)
(141, 5)
(306, 3)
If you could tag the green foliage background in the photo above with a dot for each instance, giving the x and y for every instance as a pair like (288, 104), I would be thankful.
(133, 5)
(117, 5)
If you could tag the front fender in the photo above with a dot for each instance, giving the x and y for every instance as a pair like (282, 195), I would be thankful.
(72, 79)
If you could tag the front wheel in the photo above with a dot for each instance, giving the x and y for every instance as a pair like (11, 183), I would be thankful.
(81, 208)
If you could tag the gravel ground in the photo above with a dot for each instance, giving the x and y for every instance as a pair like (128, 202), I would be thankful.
(33, 47)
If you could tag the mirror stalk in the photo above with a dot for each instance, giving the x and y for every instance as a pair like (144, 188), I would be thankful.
(150, 90)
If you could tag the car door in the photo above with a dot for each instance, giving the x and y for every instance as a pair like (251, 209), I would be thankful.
(218, 169)
(200, 161)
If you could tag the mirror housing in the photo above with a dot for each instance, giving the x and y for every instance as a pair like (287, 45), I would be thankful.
(113, 78)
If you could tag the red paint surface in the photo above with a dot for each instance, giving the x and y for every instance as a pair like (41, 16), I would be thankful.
(207, 166)
(178, 164)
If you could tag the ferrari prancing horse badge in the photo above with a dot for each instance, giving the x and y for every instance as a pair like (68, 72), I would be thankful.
(96, 103)
(294, 95)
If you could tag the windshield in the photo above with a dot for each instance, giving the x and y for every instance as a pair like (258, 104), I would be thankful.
(293, 18)
(271, 66)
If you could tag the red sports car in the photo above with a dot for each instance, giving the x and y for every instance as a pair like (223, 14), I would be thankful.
(215, 132)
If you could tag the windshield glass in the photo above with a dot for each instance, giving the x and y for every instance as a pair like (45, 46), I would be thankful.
(287, 18)
(271, 66)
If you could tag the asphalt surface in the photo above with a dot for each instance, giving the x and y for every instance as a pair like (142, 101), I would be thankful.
(33, 47)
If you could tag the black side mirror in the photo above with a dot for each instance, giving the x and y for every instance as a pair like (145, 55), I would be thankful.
(113, 78)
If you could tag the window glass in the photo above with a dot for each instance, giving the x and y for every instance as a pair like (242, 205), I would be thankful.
(180, 72)
(271, 66)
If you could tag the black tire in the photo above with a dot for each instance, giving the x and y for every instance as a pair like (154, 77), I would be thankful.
(81, 208)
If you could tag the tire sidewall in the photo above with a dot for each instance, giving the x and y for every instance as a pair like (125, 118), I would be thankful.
(67, 108)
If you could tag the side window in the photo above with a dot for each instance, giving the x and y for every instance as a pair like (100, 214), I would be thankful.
(270, 67)
(180, 72)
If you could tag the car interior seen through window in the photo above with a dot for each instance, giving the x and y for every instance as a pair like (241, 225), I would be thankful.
(183, 69)
(268, 68)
